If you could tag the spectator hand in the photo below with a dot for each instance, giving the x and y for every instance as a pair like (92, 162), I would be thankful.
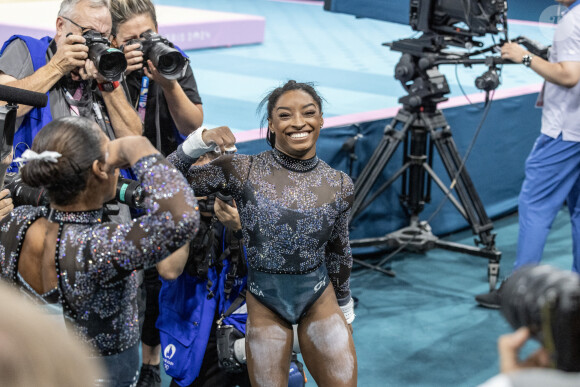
(513, 52)
(227, 215)
(509, 346)
(70, 55)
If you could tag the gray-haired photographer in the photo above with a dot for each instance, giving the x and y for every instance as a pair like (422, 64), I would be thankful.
(543, 303)
(77, 68)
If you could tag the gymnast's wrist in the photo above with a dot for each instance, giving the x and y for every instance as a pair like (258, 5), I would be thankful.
(194, 146)
(348, 311)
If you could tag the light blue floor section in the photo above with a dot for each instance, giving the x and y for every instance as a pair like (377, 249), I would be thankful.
(343, 55)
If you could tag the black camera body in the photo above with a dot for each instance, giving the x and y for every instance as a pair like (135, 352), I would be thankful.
(109, 61)
(231, 349)
(129, 192)
(207, 204)
(23, 194)
(444, 16)
(167, 60)
(547, 301)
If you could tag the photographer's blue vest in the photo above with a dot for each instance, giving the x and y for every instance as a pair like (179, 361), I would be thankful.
(37, 117)
(186, 317)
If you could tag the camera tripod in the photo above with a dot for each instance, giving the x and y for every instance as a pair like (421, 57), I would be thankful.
(424, 128)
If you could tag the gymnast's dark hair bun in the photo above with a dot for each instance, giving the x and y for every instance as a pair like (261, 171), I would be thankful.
(78, 140)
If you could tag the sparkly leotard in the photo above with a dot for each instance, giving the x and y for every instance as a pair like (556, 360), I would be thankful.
(96, 261)
(294, 216)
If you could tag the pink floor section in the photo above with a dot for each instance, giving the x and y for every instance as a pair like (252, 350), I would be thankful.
(188, 28)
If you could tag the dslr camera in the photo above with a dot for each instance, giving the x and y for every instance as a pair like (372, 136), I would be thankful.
(129, 192)
(109, 61)
(166, 59)
(547, 301)
(231, 348)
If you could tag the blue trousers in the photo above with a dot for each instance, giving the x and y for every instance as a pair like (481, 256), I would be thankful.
(552, 177)
(122, 368)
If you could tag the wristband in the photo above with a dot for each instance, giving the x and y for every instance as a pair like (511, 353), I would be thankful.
(108, 86)
(194, 147)
(527, 60)
(348, 311)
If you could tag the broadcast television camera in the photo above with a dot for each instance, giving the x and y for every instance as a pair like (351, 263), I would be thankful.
(547, 301)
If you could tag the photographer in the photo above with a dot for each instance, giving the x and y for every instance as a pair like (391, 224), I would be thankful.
(199, 287)
(168, 102)
(66, 256)
(170, 107)
(61, 67)
(552, 171)
(543, 303)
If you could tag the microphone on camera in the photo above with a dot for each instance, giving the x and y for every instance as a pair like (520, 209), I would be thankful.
(24, 97)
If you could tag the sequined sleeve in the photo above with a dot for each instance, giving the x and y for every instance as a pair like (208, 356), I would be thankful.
(226, 174)
(338, 252)
(171, 219)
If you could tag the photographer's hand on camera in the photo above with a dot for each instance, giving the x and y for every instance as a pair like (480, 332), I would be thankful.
(227, 214)
(71, 55)
(134, 57)
(166, 84)
(89, 71)
(509, 346)
(6, 205)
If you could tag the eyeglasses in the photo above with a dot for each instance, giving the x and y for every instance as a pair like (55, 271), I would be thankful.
(84, 29)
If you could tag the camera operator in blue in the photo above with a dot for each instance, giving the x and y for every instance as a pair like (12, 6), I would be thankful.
(197, 288)
(168, 104)
(61, 67)
(294, 212)
(552, 170)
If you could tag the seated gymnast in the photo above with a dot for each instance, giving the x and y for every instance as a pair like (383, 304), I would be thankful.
(67, 256)
(294, 211)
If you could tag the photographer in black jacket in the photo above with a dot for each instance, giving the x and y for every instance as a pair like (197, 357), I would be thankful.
(170, 108)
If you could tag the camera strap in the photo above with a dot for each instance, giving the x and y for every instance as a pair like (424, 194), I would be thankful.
(235, 305)
(142, 100)
(235, 250)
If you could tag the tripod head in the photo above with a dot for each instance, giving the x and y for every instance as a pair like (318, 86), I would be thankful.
(418, 71)
(446, 23)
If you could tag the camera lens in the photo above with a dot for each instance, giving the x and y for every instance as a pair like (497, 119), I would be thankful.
(168, 61)
(110, 62)
(547, 301)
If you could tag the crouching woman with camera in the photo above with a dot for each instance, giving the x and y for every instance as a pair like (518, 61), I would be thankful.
(64, 256)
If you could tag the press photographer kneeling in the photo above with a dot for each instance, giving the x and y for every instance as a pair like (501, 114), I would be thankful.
(543, 303)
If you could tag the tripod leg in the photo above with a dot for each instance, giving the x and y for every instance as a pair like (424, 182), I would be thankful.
(474, 213)
(379, 159)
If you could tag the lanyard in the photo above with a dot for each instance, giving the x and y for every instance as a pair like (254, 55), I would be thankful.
(143, 93)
